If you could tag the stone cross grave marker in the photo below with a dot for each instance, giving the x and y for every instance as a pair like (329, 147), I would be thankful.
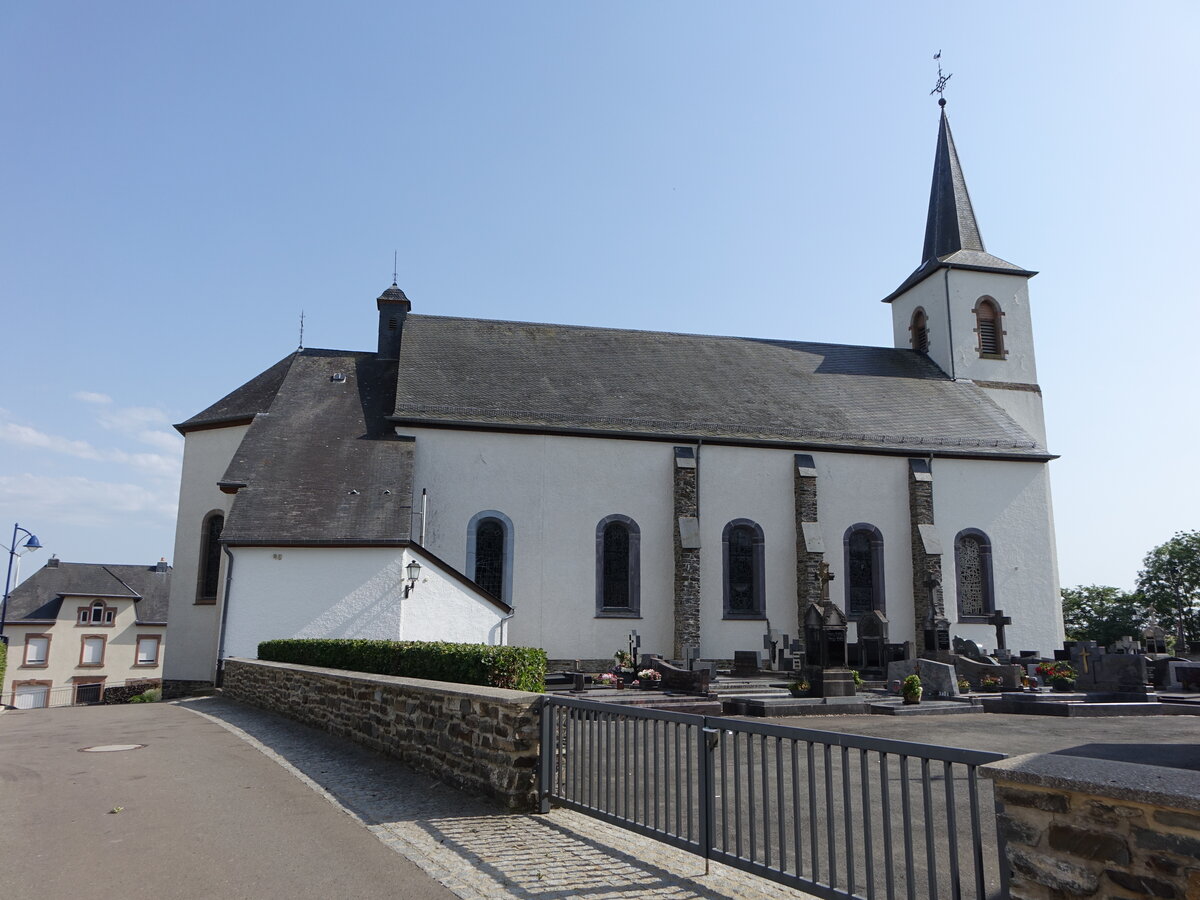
(998, 619)
(635, 644)
(1126, 645)
(691, 653)
(774, 643)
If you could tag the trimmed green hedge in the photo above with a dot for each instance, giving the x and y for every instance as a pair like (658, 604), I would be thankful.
(518, 668)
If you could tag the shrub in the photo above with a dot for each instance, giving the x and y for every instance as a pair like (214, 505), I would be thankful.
(911, 685)
(151, 696)
(858, 682)
(518, 668)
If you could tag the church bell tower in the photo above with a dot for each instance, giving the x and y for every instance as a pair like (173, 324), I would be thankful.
(964, 308)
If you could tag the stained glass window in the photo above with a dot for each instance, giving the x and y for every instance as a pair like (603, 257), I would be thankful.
(741, 569)
(616, 565)
(489, 557)
(210, 558)
(972, 564)
(860, 598)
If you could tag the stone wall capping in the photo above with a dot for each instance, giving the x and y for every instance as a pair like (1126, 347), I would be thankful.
(443, 689)
(1151, 785)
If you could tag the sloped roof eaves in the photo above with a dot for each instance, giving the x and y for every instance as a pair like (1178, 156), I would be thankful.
(244, 403)
(41, 595)
(968, 260)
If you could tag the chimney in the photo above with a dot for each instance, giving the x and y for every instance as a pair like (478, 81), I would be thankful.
(162, 565)
(52, 562)
(393, 308)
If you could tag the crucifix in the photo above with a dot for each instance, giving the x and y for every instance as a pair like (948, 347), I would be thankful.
(1083, 657)
(999, 620)
(635, 643)
(824, 576)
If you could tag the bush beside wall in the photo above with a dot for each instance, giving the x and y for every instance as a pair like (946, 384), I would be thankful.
(514, 668)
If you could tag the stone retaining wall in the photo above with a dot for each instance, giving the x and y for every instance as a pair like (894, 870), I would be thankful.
(480, 739)
(1078, 827)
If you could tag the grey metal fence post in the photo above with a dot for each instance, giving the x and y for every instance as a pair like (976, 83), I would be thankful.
(708, 792)
(547, 761)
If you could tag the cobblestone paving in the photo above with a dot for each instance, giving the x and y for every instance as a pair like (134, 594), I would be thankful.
(474, 849)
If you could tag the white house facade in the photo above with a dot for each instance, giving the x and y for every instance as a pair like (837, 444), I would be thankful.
(561, 485)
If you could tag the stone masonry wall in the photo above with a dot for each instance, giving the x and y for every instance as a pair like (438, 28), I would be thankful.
(926, 567)
(480, 739)
(808, 559)
(687, 560)
(1079, 828)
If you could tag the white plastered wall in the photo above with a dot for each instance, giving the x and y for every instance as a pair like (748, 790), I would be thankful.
(948, 297)
(1010, 503)
(349, 592)
(194, 628)
(556, 490)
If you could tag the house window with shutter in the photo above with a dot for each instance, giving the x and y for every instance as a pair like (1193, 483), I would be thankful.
(989, 327)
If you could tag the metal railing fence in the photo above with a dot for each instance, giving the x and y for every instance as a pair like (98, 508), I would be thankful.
(836, 815)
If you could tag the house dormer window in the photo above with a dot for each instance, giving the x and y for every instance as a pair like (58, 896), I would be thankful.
(988, 327)
(920, 331)
(99, 613)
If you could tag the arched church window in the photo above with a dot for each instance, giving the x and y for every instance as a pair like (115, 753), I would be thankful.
(208, 581)
(490, 553)
(973, 574)
(862, 547)
(920, 331)
(744, 582)
(987, 326)
(618, 565)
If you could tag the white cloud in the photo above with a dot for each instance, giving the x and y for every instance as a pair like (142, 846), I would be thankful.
(77, 500)
(92, 397)
(132, 419)
(153, 463)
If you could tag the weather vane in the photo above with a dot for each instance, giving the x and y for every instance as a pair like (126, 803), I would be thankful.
(395, 254)
(301, 330)
(940, 87)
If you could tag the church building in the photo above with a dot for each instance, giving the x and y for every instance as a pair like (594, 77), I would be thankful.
(558, 485)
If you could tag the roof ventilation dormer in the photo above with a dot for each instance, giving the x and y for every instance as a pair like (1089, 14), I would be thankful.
(52, 562)
(393, 309)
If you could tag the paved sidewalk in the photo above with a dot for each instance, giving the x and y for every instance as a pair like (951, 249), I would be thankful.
(471, 847)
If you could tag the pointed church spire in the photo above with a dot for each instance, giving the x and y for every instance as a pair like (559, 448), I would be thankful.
(951, 224)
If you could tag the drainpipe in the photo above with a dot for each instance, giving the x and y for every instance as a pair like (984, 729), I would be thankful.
(224, 615)
(504, 619)
(949, 320)
(424, 511)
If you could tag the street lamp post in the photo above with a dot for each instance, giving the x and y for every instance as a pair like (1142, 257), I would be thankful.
(30, 545)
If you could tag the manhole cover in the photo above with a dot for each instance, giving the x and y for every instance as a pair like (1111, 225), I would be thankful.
(110, 748)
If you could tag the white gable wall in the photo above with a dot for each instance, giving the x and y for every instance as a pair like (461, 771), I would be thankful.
(206, 456)
(349, 592)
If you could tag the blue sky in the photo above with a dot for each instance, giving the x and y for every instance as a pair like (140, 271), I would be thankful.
(182, 179)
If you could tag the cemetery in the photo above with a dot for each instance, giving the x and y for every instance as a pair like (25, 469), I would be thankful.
(823, 672)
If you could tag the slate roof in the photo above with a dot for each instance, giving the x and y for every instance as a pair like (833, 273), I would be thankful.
(322, 464)
(952, 235)
(488, 373)
(251, 398)
(40, 596)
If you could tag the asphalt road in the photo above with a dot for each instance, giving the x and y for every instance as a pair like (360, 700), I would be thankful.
(195, 813)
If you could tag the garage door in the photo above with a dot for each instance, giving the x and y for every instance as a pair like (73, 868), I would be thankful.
(31, 696)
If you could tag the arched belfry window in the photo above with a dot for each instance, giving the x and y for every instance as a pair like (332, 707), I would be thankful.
(862, 549)
(989, 327)
(744, 588)
(490, 553)
(208, 580)
(618, 567)
(919, 331)
(973, 575)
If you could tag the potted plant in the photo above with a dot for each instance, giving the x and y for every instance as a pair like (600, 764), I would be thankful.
(990, 684)
(649, 679)
(800, 688)
(1060, 675)
(623, 662)
(858, 681)
(963, 685)
(911, 690)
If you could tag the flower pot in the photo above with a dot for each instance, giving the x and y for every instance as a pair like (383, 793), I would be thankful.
(649, 685)
(913, 697)
(1062, 686)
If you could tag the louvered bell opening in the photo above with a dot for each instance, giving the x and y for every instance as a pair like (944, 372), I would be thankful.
(920, 333)
(989, 332)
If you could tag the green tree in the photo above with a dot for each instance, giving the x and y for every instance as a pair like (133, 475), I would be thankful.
(1098, 612)
(1170, 582)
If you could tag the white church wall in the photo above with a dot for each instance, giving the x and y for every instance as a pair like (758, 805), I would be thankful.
(755, 484)
(1009, 502)
(1025, 407)
(1011, 294)
(861, 488)
(555, 490)
(929, 295)
(193, 628)
(348, 592)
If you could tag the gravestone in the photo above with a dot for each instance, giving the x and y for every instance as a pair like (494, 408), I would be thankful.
(745, 663)
(825, 635)
(971, 651)
(691, 654)
(872, 641)
(1125, 645)
(937, 636)
(937, 679)
(1101, 672)
(1155, 639)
